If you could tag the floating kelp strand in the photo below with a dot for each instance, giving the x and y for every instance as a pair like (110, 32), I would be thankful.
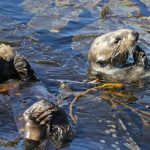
(144, 115)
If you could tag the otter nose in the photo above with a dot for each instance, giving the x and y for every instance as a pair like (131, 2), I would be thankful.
(136, 35)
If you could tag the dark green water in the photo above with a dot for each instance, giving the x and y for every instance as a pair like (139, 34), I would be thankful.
(55, 36)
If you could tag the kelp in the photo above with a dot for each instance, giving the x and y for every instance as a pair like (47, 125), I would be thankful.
(8, 144)
(104, 12)
(6, 87)
(112, 97)
(93, 89)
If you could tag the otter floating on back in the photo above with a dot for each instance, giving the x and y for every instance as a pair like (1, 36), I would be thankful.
(42, 118)
(14, 66)
(108, 56)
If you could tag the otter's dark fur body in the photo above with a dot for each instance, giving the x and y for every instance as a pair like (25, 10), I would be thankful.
(42, 118)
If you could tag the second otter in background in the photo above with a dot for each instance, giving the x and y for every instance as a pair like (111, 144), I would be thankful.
(108, 56)
(14, 65)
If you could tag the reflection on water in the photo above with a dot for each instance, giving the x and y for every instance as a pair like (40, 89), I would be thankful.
(55, 36)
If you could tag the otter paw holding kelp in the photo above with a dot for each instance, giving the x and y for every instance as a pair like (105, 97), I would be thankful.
(46, 120)
(14, 66)
(108, 56)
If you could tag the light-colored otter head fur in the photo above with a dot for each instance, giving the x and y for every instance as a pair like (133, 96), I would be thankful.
(109, 52)
(6, 52)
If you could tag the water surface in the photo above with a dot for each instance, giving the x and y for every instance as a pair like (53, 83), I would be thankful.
(55, 36)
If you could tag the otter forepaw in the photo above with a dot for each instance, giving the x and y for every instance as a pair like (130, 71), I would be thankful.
(23, 68)
(140, 58)
(48, 117)
(41, 112)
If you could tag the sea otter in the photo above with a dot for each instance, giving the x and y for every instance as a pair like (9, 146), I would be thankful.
(42, 118)
(14, 66)
(108, 56)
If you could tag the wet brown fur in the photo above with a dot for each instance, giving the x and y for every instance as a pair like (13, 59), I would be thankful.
(46, 120)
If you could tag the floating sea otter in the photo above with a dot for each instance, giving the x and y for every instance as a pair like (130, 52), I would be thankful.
(14, 66)
(42, 118)
(109, 53)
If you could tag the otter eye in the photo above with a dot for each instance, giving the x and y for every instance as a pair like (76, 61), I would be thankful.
(117, 40)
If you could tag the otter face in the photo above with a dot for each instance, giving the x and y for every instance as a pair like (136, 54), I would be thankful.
(110, 51)
(6, 53)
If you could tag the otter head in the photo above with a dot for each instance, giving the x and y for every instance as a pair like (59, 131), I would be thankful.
(7, 69)
(110, 51)
(6, 53)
